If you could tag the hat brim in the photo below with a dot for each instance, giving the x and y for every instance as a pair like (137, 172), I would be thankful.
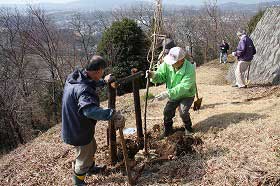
(168, 60)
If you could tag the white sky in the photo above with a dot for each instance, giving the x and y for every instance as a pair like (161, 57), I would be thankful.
(32, 1)
(180, 1)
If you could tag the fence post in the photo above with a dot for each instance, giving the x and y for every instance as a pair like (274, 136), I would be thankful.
(137, 107)
(111, 132)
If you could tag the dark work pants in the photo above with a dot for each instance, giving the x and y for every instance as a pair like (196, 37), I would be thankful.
(184, 107)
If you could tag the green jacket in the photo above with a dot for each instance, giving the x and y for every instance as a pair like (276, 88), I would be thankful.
(180, 84)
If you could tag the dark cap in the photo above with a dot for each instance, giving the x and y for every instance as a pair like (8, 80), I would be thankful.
(96, 63)
(167, 44)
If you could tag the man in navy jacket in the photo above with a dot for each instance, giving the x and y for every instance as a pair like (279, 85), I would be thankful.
(80, 112)
(245, 52)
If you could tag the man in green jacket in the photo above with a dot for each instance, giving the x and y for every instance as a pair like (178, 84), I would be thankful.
(179, 76)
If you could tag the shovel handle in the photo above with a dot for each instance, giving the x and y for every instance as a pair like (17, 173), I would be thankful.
(130, 180)
(196, 91)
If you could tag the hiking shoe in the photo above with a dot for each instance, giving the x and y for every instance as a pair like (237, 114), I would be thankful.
(96, 169)
(245, 86)
(79, 180)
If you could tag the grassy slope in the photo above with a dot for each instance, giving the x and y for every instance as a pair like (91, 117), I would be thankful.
(241, 141)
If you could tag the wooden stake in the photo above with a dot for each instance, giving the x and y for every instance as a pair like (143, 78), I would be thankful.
(137, 107)
(111, 128)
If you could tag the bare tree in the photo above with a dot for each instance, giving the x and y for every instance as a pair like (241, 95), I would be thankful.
(86, 34)
(142, 13)
(13, 81)
(44, 41)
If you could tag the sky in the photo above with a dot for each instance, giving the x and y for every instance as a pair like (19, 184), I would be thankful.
(169, 1)
(32, 1)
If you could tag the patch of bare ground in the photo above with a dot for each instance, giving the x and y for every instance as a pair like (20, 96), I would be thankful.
(236, 142)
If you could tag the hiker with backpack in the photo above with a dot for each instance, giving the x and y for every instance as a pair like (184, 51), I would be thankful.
(245, 52)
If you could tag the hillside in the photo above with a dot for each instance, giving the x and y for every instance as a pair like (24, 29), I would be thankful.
(239, 128)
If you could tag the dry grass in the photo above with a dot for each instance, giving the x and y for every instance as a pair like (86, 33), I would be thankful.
(241, 139)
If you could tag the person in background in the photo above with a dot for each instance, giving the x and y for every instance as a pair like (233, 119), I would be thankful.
(80, 112)
(245, 52)
(179, 76)
(224, 47)
(167, 44)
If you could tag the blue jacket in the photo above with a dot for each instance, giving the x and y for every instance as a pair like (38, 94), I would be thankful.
(245, 50)
(79, 93)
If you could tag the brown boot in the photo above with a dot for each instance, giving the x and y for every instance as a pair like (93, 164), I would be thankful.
(188, 126)
(167, 131)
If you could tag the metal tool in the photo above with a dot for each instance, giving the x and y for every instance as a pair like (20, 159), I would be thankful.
(130, 78)
(125, 157)
(198, 101)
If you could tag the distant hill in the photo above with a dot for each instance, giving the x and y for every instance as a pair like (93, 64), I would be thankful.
(234, 6)
(86, 5)
(100, 4)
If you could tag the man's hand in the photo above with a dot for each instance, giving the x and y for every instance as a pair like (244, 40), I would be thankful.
(162, 96)
(149, 74)
(233, 53)
(109, 78)
(119, 120)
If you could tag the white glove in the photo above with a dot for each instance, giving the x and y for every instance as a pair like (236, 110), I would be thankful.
(149, 74)
(162, 96)
(119, 120)
(109, 78)
(233, 53)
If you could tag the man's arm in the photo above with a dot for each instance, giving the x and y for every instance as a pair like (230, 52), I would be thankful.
(97, 113)
(107, 79)
(160, 74)
(88, 106)
(101, 83)
(254, 49)
(241, 48)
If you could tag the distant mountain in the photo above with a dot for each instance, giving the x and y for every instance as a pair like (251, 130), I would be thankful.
(95, 4)
(102, 4)
(234, 6)
(237, 5)
(81, 5)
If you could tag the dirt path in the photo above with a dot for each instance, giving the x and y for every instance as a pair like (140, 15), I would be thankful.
(240, 135)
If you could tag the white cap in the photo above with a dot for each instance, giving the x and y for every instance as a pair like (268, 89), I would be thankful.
(175, 54)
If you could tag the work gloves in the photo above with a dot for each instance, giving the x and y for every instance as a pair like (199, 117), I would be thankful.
(161, 96)
(109, 78)
(150, 74)
(119, 120)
